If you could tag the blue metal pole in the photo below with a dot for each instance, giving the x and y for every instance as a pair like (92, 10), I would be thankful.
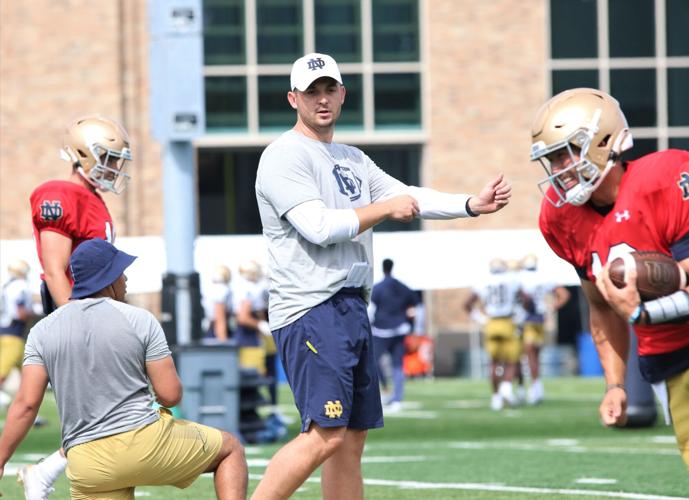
(179, 208)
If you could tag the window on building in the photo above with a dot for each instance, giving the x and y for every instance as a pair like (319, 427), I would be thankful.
(378, 52)
(226, 103)
(677, 20)
(649, 79)
(573, 31)
(279, 30)
(223, 29)
(226, 179)
(631, 24)
(338, 29)
(395, 30)
(572, 78)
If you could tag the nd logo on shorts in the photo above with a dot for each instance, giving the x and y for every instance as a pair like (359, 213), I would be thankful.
(333, 410)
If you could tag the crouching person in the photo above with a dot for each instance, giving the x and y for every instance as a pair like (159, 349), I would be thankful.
(100, 354)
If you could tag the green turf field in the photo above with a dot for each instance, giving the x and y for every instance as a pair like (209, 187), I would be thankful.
(447, 443)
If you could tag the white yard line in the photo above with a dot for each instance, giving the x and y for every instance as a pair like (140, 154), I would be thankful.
(475, 445)
(418, 485)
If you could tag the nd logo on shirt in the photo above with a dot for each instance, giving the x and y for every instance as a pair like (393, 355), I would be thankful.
(348, 183)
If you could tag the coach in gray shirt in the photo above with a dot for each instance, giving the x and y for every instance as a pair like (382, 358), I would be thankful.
(100, 354)
(318, 201)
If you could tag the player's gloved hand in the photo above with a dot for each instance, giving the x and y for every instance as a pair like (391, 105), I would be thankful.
(264, 329)
(613, 408)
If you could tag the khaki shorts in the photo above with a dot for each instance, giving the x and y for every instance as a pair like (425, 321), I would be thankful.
(166, 452)
(678, 392)
(11, 353)
(534, 334)
(501, 341)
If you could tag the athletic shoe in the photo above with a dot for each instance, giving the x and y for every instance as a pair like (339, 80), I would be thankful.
(505, 390)
(34, 487)
(496, 402)
(536, 393)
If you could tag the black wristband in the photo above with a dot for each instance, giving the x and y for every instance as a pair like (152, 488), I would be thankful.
(468, 210)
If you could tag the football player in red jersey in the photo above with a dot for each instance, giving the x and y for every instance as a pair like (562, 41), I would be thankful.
(596, 208)
(65, 213)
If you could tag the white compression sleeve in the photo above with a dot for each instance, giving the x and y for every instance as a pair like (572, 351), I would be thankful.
(321, 225)
(434, 204)
(437, 205)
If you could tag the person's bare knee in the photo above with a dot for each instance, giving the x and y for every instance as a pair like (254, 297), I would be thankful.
(230, 444)
(329, 439)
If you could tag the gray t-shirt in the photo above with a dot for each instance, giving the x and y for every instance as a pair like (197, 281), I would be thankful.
(295, 169)
(95, 352)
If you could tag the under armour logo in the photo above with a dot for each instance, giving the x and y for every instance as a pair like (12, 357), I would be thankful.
(683, 184)
(333, 410)
(51, 210)
(348, 183)
(621, 216)
(314, 64)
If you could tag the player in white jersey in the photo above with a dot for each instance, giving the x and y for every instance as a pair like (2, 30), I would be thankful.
(217, 305)
(318, 201)
(16, 308)
(498, 296)
(538, 295)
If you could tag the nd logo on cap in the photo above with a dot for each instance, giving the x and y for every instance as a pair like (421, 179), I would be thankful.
(310, 68)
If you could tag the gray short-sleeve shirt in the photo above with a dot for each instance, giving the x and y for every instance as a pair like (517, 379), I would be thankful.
(294, 169)
(95, 352)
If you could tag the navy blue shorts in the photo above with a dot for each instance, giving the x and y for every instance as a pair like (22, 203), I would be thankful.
(330, 364)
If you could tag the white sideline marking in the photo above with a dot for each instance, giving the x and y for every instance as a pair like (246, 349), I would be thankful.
(263, 462)
(595, 480)
(465, 404)
(410, 413)
(562, 442)
(418, 485)
(257, 462)
(474, 445)
(664, 440)
(392, 460)
(138, 493)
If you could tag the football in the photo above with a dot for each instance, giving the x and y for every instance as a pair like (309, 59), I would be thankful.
(657, 274)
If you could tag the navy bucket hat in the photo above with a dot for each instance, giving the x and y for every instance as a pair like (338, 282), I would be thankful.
(95, 265)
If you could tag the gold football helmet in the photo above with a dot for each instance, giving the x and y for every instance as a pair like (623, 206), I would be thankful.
(18, 268)
(99, 147)
(222, 274)
(251, 271)
(529, 262)
(591, 127)
(497, 265)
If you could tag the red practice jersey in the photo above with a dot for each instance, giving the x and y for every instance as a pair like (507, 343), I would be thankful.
(651, 213)
(71, 210)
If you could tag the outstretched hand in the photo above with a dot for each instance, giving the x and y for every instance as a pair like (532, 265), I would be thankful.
(494, 196)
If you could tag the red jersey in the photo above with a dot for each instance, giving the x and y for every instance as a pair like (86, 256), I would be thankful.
(72, 210)
(651, 212)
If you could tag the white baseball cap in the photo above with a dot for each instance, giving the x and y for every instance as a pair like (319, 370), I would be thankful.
(311, 67)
